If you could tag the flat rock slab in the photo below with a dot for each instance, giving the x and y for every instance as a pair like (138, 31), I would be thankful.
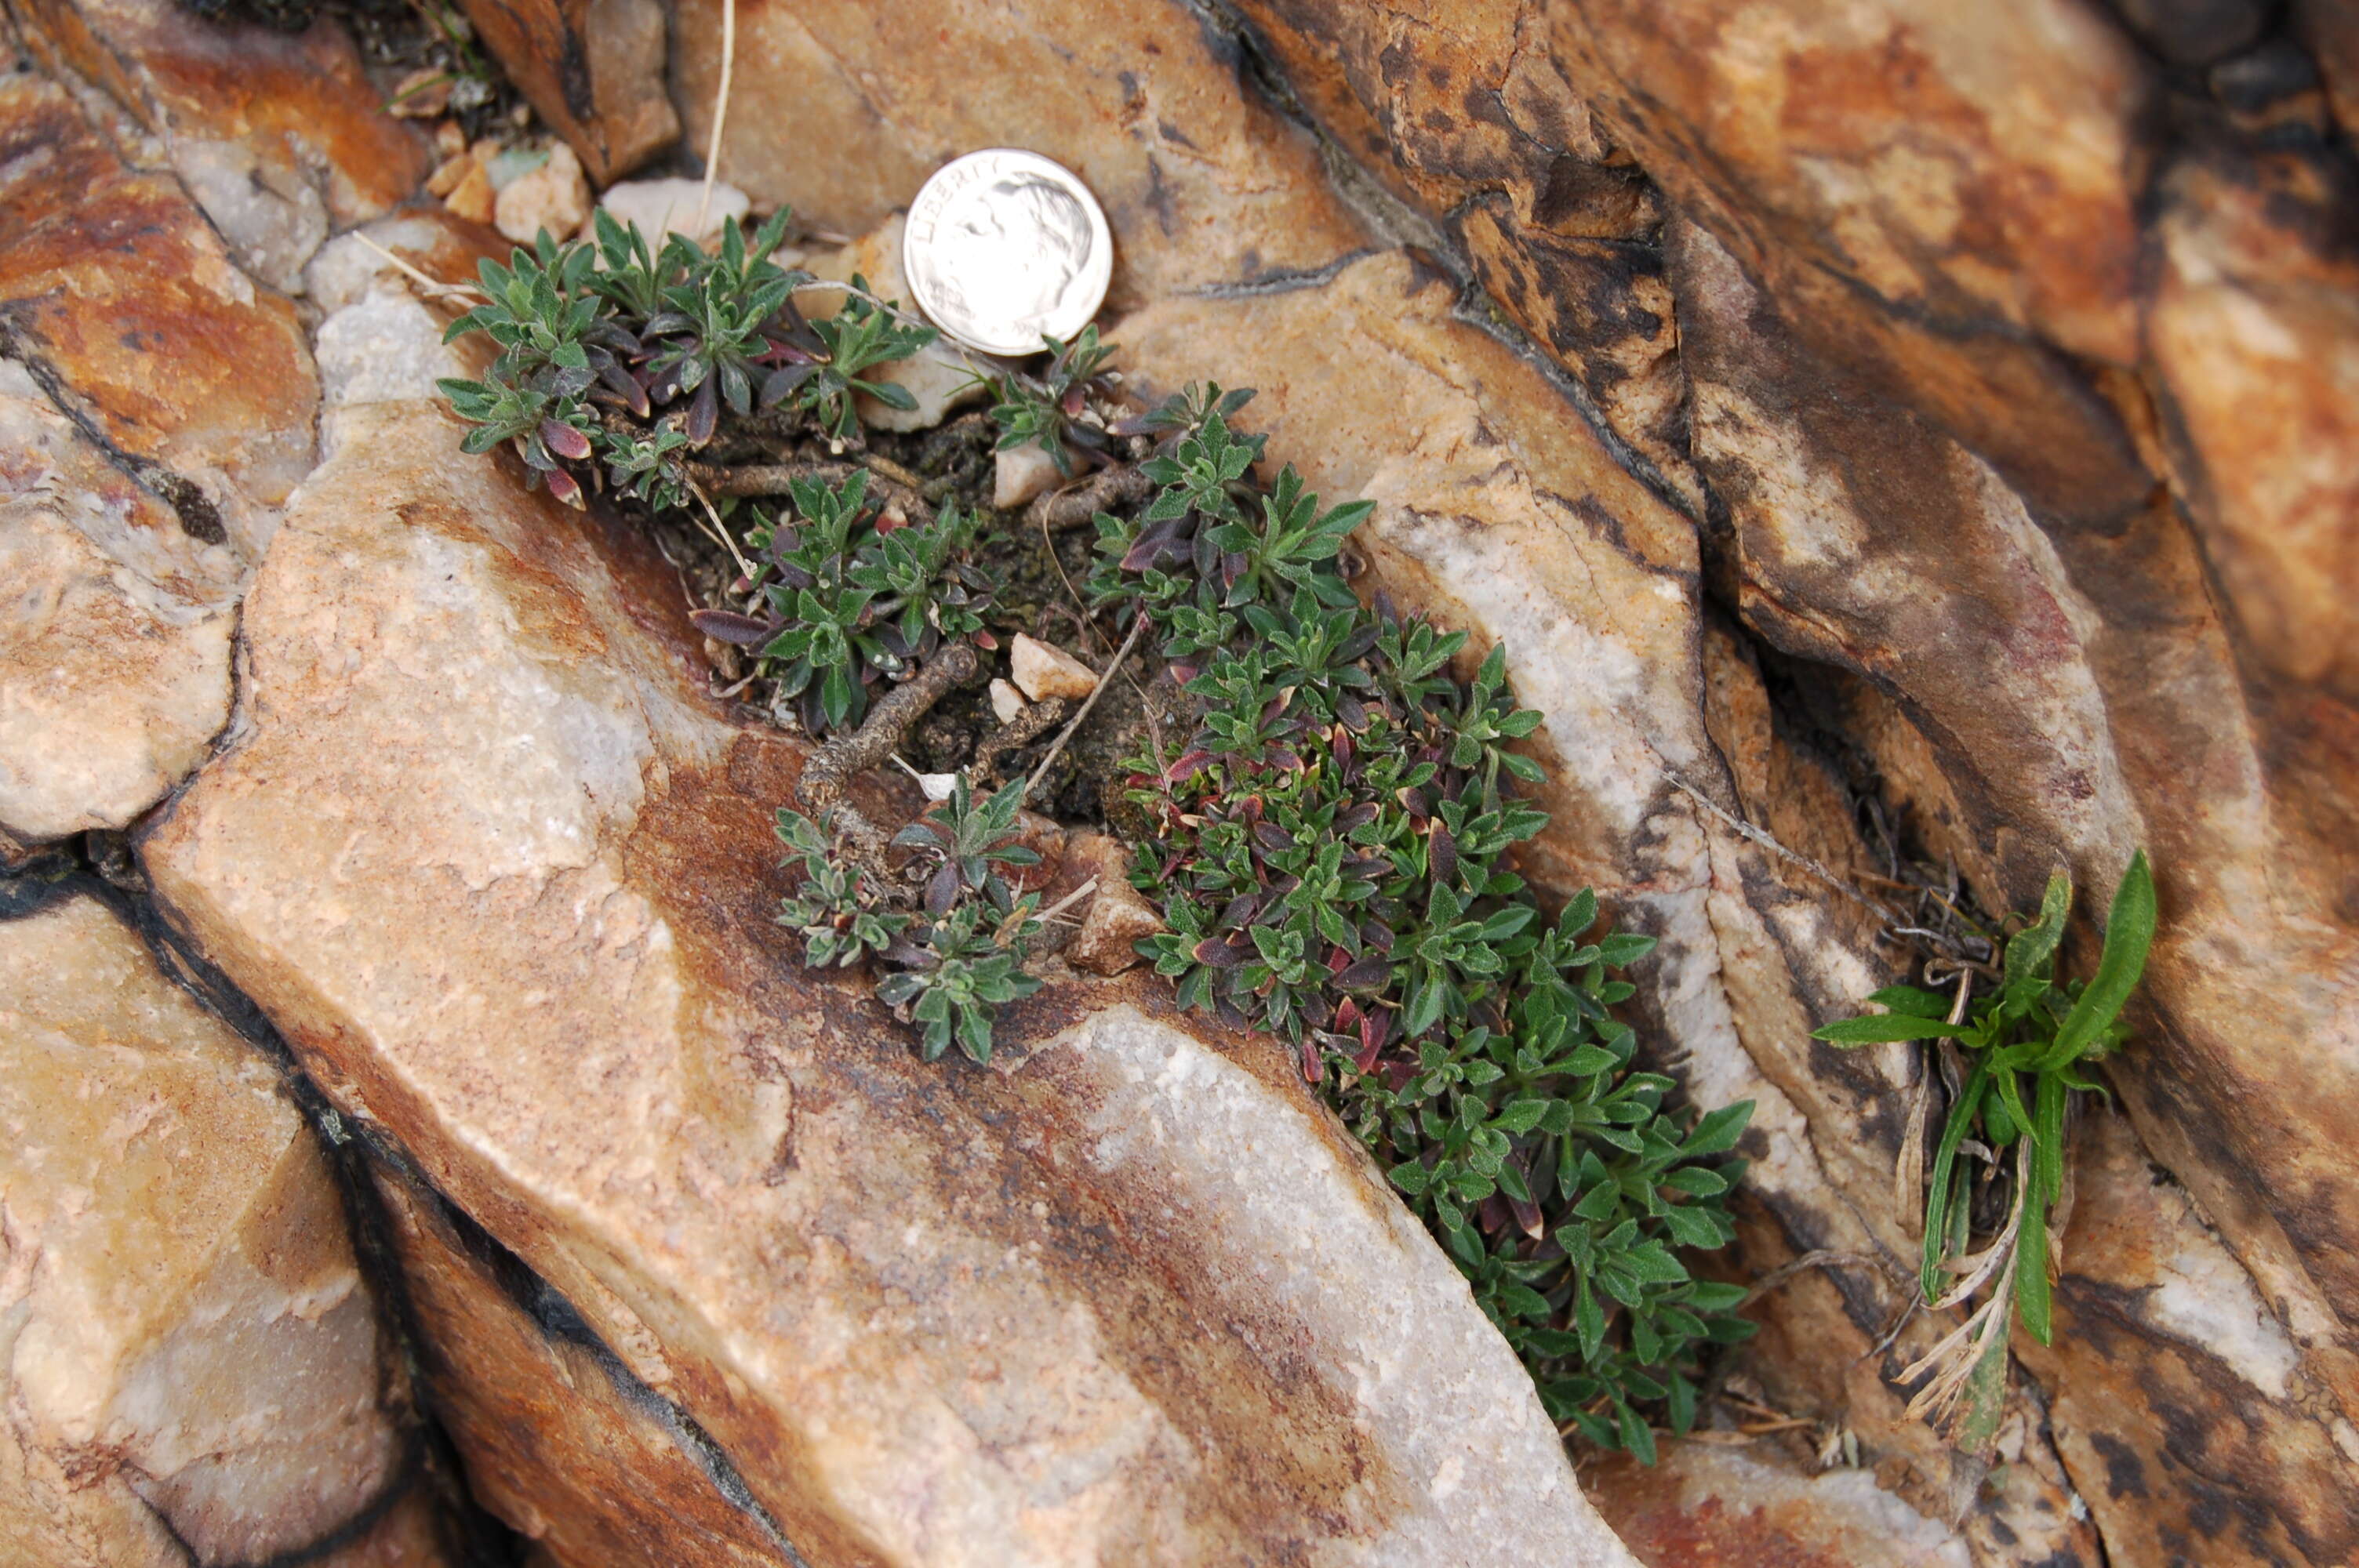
(279, 137)
(190, 1364)
(503, 875)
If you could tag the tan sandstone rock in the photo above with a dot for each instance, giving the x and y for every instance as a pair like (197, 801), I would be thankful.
(593, 70)
(2071, 717)
(1044, 670)
(1136, 1300)
(2180, 1399)
(279, 138)
(1115, 919)
(841, 110)
(128, 311)
(1020, 474)
(1706, 1506)
(115, 632)
(552, 197)
(559, 1438)
(191, 1367)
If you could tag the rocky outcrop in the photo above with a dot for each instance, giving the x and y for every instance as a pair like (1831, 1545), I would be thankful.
(1498, 513)
(1940, 416)
(191, 1366)
(2057, 535)
(842, 110)
(114, 635)
(278, 136)
(124, 304)
(483, 844)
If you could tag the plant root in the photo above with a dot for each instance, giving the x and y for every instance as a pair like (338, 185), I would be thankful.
(1075, 505)
(836, 763)
(1021, 730)
(775, 479)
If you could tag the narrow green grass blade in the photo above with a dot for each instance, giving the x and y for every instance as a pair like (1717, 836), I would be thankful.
(2032, 946)
(1936, 1190)
(2031, 1299)
(1984, 1400)
(2047, 1136)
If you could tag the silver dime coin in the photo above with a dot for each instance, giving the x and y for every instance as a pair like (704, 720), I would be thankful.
(1004, 248)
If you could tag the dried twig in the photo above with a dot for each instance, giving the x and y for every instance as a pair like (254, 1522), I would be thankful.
(719, 531)
(434, 288)
(1097, 691)
(1737, 824)
(833, 766)
(1821, 1258)
(1069, 899)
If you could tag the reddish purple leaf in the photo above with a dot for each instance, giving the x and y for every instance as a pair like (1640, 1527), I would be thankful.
(1219, 955)
(564, 439)
(728, 626)
(1442, 851)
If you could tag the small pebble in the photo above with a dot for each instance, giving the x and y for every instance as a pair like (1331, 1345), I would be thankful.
(555, 197)
(422, 94)
(1007, 702)
(1020, 474)
(1042, 670)
(471, 196)
(661, 207)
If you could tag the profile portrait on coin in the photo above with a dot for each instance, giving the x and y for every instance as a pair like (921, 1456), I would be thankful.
(1022, 241)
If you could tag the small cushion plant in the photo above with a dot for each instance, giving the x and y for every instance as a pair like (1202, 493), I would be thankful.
(1331, 851)
(1330, 847)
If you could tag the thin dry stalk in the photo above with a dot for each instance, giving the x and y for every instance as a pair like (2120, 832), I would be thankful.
(1762, 837)
(434, 288)
(1822, 1258)
(720, 109)
(718, 531)
(1096, 692)
(1953, 1360)
(1908, 1174)
(1069, 899)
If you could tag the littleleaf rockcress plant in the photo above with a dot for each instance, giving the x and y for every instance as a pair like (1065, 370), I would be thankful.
(1330, 848)
(612, 354)
(1330, 845)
